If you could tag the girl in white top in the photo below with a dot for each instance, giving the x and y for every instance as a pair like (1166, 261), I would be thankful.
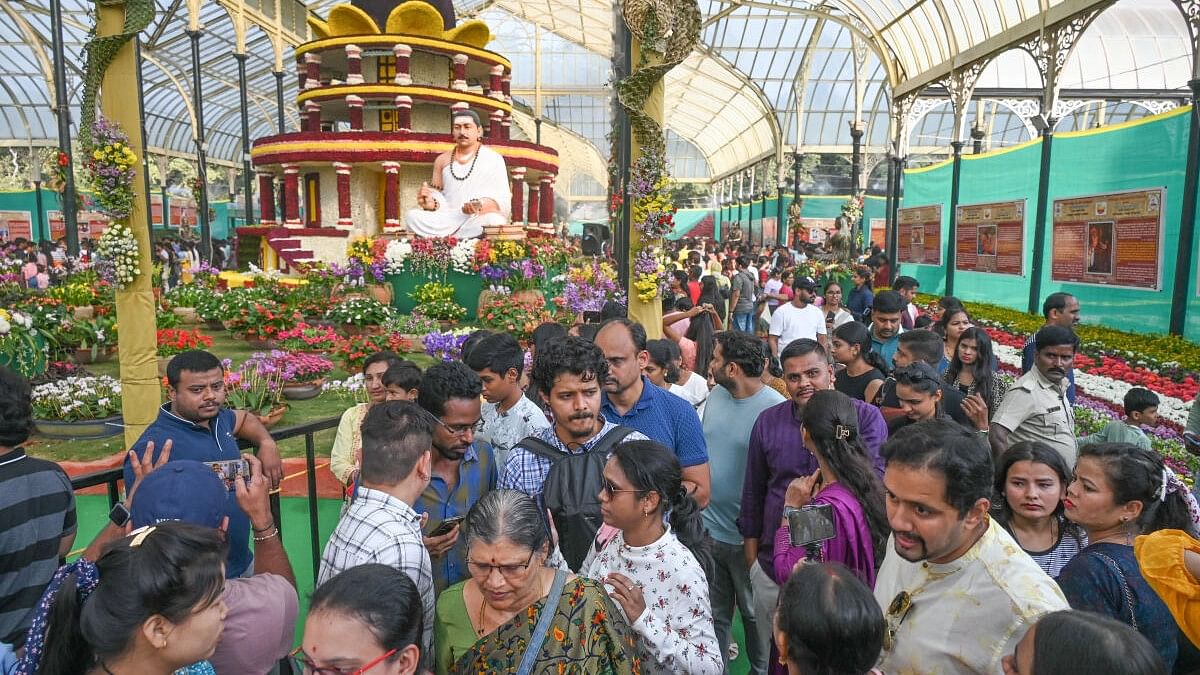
(651, 568)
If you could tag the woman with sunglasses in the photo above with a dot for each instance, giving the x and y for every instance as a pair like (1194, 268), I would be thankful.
(364, 620)
(491, 621)
(654, 568)
(919, 390)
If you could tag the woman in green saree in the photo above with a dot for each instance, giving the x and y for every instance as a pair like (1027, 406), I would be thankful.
(493, 623)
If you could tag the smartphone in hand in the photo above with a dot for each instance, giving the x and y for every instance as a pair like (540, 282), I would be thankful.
(443, 528)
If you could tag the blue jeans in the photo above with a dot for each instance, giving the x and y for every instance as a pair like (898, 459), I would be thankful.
(744, 322)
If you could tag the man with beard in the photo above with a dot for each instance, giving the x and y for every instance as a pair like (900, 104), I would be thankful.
(956, 591)
(733, 406)
(201, 428)
(631, 399)
(885, 325)
(463, 469)
(469, 187)
(570, 371)
(777, 454)
(1036, 407)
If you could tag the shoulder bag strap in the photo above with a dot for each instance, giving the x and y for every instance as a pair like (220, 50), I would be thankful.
(1125, 592)
(549, 609)
(610, 440)
(541, 448)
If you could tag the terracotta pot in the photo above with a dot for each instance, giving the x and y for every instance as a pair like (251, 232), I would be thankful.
(352, 330)
(110, 426)
(530, 296)
(187, 315)
(85, 356)
(446, 325)
(485, 296)
(382, 292)
(85, 313)
(302, 391)
(272, 418)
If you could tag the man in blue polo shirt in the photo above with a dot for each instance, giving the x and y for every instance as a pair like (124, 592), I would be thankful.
(630, 399)
(201, 428)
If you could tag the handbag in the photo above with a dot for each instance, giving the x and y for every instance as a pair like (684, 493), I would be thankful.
(543, 625)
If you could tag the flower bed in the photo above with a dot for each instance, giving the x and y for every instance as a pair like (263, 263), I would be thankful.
(75, 399)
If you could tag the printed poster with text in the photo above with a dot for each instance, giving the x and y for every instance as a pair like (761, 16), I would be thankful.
(991, 238)
(879, 232)
(1111, 239)
(920, 235)
(16, 224)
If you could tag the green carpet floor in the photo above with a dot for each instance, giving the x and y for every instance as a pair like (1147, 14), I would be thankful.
(93, 513)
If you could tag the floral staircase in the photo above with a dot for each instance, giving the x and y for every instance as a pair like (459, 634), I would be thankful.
(291, 251)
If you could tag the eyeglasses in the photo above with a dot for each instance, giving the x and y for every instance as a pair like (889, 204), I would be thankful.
(484, 570)
(901, 605)
(311, 668)
(609, 489)
(462, 429)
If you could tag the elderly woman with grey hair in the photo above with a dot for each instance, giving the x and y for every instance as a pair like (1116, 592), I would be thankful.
(516, 615)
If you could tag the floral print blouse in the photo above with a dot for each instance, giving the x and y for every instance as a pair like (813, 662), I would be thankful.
(675, 631)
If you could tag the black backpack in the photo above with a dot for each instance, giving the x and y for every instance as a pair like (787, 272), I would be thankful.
(571, 491)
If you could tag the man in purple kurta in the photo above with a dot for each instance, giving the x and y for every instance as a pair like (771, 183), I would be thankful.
(777, 455)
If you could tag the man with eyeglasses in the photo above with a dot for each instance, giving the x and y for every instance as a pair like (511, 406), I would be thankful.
(1036, 407)
(202, 428)
(381, 525)
(957, 592)
(464, 469)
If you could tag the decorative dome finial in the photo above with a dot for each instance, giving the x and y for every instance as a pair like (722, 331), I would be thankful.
(379, 10)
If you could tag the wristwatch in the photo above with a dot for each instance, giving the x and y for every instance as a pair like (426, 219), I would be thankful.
(119, 515)
(789, 510)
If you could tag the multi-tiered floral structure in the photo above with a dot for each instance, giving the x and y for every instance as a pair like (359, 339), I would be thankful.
(377, 88)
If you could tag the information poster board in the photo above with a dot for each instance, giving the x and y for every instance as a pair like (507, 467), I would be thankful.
(156, 210)
(817, 229)
(878, 232)
(1110, 239)
(91, 224)
(16, 224)
(920, 235)
(991, 238)
(756, 232)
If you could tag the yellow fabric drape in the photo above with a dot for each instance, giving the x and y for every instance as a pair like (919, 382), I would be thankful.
(1160, 557)
(141, 392)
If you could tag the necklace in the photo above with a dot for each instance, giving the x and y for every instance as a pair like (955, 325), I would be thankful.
(454, 160)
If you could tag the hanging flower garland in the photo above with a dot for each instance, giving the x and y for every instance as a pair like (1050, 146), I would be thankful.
(111, 168)
(652, 216)
(649, 275)
(118, 251)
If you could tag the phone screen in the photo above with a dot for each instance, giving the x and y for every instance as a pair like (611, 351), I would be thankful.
(811, 524)
(446, 525)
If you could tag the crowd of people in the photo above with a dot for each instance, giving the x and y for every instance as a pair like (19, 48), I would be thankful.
(854, 477)
(46, 263)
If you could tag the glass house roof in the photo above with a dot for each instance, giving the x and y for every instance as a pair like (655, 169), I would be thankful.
(769, 75)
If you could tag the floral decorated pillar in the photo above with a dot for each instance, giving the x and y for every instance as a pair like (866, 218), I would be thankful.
(518, 194)
(546, 197)
(403, 64)
(535, 206)
(312, 116)
(506, 83)
(391, 194)
(301, 74)
(460, 72)
(354, 64)
(506, 127)
(312, 70)
(355, 106)
(404, 106)
(343, 194)
(496, 83)
(495, 130)
(266, 198)
(291, 195)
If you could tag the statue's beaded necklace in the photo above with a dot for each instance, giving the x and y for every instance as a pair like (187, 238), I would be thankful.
(454, 161)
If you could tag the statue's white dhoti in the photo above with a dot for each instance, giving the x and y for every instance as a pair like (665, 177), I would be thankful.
(487, 180)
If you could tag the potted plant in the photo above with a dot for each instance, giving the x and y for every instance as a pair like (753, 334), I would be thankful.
(519, 319)
(356, 315)
(307, 338)
(256, 387)
(185, 301)
(78, 294)
(413, 326)
(88, 339)
(525, 279)
(436, 301)
(19, 343)
(445, 346)
(259, 324)
(78, 407)
(303, 374)
(354, 350)
(172, 341)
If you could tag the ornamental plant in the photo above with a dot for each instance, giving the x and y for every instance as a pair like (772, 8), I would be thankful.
(75, 293)
(118, 255)
(432, 291)
(293, 367)
(255, 386)
(76, 399)
(263, 320)
(354, 350)
(589, 285)
(172, 341)
(412, 324)
(649, 279)
(525, 275)
(445, 346)
(436, 301)
(18, 342)
(95, 334)
(350, 391)
(188, 295)
(307, 338)
(653, 209)
(430, 256)
(111, 167)
(359, 311)
(518, 319)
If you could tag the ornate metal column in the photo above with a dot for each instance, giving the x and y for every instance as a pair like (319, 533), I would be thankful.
(952, 233)
(247, 171)
(201, 148)
(62, 111)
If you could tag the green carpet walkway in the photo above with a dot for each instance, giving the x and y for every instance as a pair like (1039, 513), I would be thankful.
(93, 514)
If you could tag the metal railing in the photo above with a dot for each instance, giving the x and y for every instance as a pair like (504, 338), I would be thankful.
(112, 477)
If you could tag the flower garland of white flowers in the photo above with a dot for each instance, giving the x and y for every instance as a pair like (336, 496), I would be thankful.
(119, 246)
(395, 254)
(462, 256)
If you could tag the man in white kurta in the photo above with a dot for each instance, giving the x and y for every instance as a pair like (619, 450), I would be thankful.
(957, 592)
(468, 190)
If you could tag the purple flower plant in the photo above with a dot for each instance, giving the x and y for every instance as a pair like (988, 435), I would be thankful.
(444, 346)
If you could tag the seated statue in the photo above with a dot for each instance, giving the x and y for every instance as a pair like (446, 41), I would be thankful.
(469, 188)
